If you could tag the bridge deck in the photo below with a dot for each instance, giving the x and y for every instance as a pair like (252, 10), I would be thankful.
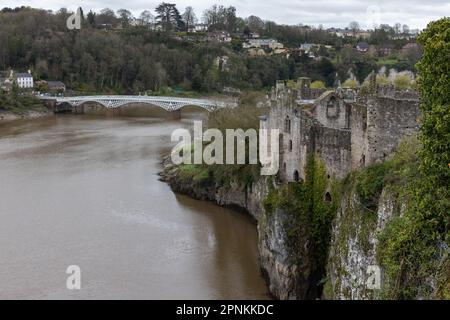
(167, 103)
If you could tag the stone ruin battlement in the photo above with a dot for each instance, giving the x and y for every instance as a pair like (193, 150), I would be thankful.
(346, 128)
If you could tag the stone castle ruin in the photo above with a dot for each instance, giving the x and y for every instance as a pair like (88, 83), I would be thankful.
(347, 128)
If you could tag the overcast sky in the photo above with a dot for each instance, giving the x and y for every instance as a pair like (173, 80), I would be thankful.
(338, 13)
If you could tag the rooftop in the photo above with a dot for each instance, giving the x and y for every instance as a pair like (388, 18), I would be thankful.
(22, 75)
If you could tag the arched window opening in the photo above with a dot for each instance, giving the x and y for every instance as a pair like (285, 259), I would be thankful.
(296, 176)
(327, 197)
(287, 124)
(332, 108)
(281, 143)
(290, 145)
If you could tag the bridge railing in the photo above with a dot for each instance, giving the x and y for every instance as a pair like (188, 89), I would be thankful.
(164, 102)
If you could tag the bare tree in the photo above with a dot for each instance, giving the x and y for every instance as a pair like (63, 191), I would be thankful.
(354, 26)
(220, 18)
(148, 19)
(125, 17)
(397, 28)
(189, 18)
(106, 16)
(405, 29)
(255, 24)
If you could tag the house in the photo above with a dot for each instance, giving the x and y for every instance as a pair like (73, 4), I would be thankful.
(362, 34)
(200, 27)
(24, 80)
(282, 51)
(2, 84)
(56, 86)
(385, 49)
(220, 36)
(410, 47)
(256, 52)
(136, 22)
(259, 43)
(362, 46)
(306, 47)
(221, 63)
(6, 80)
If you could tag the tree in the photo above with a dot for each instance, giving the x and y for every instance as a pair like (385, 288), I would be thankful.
(168, 17)
(435, 100)
(91, 18)
(397, 28)
(214, 18)
(148, 19)
(411, 250)
(189, 18)
(255, 24)
(220, 18)
(125, 17)
(230, 19)
(405, 29)
(106, 16)
(354, 26)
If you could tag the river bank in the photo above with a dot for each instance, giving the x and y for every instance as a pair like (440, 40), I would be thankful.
(26, 115)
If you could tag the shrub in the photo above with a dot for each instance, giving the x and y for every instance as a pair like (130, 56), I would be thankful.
(349, 83)
(402, 82)
(382, 80)
(370, 184)
(317, 85)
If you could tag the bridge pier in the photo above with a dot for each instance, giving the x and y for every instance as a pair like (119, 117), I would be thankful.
(79, 109)
(175, 114)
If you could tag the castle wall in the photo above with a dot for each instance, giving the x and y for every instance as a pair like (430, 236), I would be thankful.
(331, 111)
(334, 147)
(358, 128)
(287, 120)
(388, 121)
(346, 133)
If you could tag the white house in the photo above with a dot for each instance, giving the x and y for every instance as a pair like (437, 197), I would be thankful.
(258, 43)
(24, 80)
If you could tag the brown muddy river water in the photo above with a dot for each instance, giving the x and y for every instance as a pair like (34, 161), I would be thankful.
(83, 190)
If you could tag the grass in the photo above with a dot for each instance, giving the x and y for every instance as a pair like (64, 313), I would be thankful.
(387, 61)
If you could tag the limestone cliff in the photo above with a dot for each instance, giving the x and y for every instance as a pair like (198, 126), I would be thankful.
(354, 245)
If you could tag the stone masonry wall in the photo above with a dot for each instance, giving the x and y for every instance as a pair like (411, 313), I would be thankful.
(388, 121)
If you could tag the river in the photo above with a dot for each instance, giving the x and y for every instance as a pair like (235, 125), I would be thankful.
(84, 191)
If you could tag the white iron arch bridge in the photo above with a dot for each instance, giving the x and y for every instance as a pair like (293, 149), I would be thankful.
(166, 103)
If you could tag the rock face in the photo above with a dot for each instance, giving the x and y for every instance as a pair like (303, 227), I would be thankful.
(278, 265)
(352, 257)
(287, 273)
